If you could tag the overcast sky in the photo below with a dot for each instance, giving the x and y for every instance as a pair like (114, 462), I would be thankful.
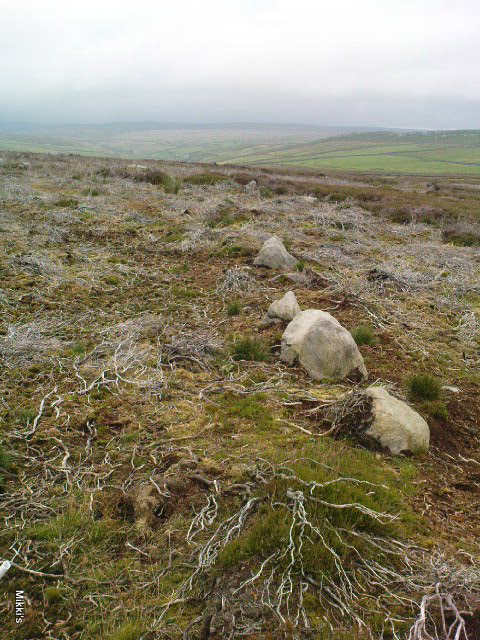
(398, 63)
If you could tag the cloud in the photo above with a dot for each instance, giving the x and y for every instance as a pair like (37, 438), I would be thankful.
(375, 62)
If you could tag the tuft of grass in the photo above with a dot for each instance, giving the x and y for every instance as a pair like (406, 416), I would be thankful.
(300, 266)
(266, 192)
(364, 335)
(6, 460)
(234, 309)
(249, 348)
(168, 183)
(205, 179)
(184, 292)
(436, 408)
(423, 386)
(128, 631)
(66, 203)
(6, 463)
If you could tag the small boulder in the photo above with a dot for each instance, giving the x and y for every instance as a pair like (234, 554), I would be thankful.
(251, 186)
(274, 255)
(320, 344)
(396, 425)
(284, 310)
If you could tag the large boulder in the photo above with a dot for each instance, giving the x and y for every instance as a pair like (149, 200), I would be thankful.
(284, 310)
(320, 344)
(396, 425)
(274, 255)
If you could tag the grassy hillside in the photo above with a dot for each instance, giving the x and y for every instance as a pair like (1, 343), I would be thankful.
(316, 148)
(164, 475)
(436, 153)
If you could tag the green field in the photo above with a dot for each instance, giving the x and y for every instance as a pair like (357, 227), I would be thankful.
(456, 152)
(316, 148)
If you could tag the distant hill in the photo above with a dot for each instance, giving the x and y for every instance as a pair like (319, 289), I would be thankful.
(296, 145)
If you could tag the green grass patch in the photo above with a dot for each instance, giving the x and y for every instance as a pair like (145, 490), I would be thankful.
(423, 386)
(251, 408)
(300, 266)
(364, 335)
(234, 309)
(66, 203)
(435, 408)
(184, 292)
(250, 348)
(270, 528)
(205, 179)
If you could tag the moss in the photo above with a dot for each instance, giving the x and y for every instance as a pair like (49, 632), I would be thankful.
(127, 631)
(54, 595)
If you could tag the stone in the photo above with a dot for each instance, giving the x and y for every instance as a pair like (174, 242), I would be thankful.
(396, 425)
(447, 387)
(284, 310)
(274, 255)
(322, 346)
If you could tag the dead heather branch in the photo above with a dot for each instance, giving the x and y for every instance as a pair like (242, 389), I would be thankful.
(122, 358)
(36, 264)
(394, 571)
(198, 346)
(195, 240)
(24, 344)
(236, 280)
(468, 328)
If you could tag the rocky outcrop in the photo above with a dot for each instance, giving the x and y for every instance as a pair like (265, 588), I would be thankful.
(319, 343)
(396, 425)
(283, 310)
(274, 255)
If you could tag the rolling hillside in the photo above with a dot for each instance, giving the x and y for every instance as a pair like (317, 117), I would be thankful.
(303, 146)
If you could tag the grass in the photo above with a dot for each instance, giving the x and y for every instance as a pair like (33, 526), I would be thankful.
(6, 463)
(423, 386)
(234, 309)
(364, 335)
(161, 179)
(224, 216)
(222, 421)
(269, 530)
(205, 179)
(127, 631)
(249, 348)
(435, 153)
(436, 408)
(252, 409)
(300, 266)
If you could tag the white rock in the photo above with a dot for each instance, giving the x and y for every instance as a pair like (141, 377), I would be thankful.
(321, 345)
(274, 255)
(251, 186)
(451, 389)
(396, 425)
(284, 309)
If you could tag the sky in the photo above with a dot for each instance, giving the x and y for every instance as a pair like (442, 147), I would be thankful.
(385, 63)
